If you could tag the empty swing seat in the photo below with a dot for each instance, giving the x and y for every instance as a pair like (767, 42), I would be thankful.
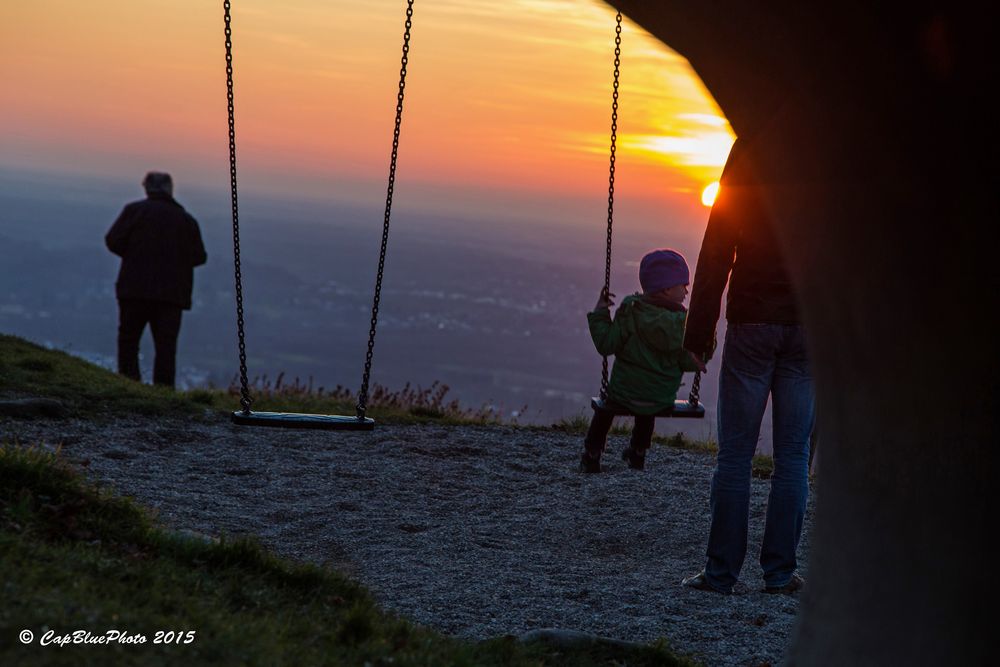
(681, 409)
(300, 420)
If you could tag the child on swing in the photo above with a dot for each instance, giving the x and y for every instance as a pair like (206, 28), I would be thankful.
(645, 338)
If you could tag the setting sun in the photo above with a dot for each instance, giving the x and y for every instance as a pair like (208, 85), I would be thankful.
(709, 194)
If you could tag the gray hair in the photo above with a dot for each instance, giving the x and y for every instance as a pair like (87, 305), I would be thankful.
(158, 182)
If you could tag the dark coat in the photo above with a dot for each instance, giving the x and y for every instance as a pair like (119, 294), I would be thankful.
(738, 239)
(160, 244)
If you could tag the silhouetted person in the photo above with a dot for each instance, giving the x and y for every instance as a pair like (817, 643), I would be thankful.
(160, 244)
(764, 355)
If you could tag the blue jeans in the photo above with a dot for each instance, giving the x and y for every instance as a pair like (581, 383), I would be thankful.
(759, 360)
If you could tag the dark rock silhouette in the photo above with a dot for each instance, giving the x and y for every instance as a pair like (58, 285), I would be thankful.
(33, 408)
(877, 150)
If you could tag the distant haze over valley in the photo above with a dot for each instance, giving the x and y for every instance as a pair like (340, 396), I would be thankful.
(494, 309)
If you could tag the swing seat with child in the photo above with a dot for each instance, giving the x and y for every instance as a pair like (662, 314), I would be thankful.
(652, 369)
(646, 338)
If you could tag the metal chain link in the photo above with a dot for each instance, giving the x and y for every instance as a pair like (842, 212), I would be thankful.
(611, 185)
(363, 392)
(694, 396)
(245, 399)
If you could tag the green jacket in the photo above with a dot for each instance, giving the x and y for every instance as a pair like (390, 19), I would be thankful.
(645, 340)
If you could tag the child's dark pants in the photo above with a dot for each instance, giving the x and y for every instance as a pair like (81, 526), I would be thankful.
(597, 434)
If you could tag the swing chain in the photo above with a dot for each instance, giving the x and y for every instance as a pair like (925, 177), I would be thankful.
(695, 394)
(245, 399)
(363, 392)
(611, 185)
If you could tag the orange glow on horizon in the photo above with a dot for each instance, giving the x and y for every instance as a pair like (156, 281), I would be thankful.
(512, 95)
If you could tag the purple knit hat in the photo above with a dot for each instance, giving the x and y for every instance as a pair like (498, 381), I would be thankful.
(663, 269)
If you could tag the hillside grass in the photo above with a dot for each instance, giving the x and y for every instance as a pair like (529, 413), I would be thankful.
(88, 391)
(762, 465)
(27, 369)
(74, 557)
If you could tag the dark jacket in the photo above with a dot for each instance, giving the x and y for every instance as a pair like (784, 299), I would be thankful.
(645, 338)
(739, 239)
(160, 244)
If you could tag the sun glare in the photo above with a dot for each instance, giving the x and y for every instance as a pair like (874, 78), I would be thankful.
(709, 194)
(698, 149)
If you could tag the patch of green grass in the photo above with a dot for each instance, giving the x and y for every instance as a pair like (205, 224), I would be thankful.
(27, 369)
(681, 441)
(411, 404)
(621, 426)
(763, 465)
(576, 425)
(74, 557)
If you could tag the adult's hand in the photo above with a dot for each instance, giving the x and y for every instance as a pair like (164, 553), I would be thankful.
(697, 361)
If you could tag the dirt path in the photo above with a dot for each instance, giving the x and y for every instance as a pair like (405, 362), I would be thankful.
(475, 531)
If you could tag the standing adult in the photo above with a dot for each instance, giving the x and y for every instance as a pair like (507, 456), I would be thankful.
(160, 244)
(764, 355)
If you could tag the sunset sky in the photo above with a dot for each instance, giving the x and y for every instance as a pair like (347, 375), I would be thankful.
(506, 100)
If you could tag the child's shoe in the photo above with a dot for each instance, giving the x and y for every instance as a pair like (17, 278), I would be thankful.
(589, 465)
(635, 458)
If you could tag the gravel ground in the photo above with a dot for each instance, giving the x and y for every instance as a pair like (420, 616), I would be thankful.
(474, 531)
